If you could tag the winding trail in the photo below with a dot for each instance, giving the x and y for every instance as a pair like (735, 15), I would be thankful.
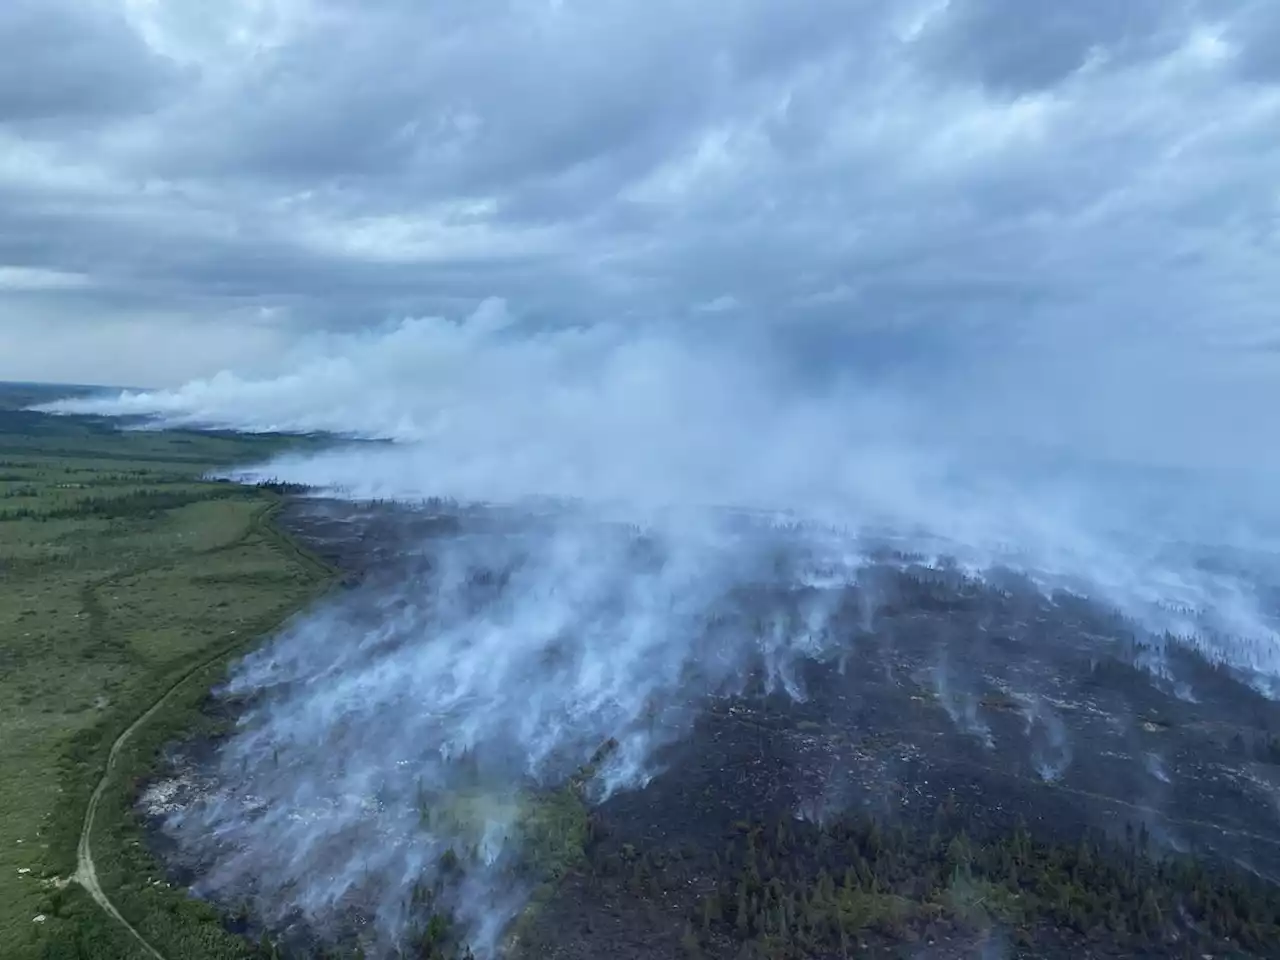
(86, 872)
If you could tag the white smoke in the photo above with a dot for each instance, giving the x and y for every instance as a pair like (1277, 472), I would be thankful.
(1051, 746)
(640, 421)
(673, 464)
(961, 704)
(388, 729)
(482, 412)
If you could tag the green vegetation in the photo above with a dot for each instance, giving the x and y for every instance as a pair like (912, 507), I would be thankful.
(123, 577)
(551, 828)
(791, 890)
(129, 584)
(801, 890)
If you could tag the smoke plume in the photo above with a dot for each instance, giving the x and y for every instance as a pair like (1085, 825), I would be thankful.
(694, 521)
(637, 421)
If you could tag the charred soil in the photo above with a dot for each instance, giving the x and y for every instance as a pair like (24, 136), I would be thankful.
(979, 767)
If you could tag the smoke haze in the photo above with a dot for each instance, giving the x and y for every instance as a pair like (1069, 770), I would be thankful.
(670, 520)
(640, 422)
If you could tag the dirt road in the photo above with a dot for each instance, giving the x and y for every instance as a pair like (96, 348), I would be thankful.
(86, 874)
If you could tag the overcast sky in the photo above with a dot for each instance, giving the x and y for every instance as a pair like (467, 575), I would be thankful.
(1068, 202)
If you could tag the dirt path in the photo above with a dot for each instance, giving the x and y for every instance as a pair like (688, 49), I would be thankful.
(86, 873)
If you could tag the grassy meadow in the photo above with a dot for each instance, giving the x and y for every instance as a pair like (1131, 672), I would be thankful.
(126, 581)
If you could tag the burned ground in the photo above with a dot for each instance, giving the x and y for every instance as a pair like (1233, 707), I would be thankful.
(969, 766)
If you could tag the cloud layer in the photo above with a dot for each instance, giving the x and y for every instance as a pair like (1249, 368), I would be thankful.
(977, 198)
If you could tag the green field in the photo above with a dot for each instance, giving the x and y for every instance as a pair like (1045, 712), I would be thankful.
(127, 584)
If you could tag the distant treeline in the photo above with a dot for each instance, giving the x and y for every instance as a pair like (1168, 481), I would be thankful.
(142, 503)
(30, 423)
(283, 488)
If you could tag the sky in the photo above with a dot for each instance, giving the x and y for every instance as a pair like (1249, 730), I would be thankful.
(1026, 216)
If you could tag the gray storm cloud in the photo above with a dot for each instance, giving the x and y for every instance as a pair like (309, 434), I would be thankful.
(985, 199)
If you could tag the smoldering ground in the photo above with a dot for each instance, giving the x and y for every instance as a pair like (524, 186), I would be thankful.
(655, 527)
(417, 732)
(427, 715)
